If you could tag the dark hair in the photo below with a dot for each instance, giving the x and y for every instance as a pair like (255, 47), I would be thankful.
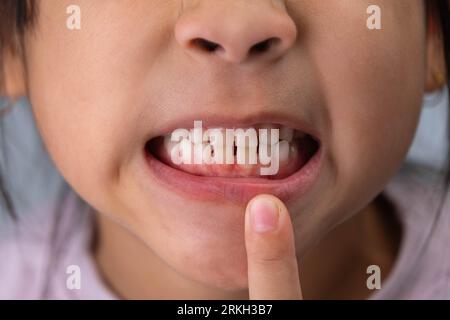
(16, 16)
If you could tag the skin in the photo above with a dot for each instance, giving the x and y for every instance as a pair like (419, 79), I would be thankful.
(99, 94)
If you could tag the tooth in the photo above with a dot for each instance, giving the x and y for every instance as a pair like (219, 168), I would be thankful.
(284, 150)
(286, 133)
(264, 153)
(215, 139)
(179, 134)
(272, 158)
(228, 147)
(195, 136)
(222, 154)
(186, 151)
(252, 155)
(265, 133)
(218, 154)
(168, 143)
(240, 155)
(293, 150)
(207, 154)
(243, 154)
(242, 136)
(228, 152)
(173, 149)
(215, 136)
(198, 153)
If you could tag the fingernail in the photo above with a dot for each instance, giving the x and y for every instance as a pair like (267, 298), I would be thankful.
(263, 215)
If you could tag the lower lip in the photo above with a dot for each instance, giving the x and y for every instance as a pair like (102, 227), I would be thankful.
(237, 190)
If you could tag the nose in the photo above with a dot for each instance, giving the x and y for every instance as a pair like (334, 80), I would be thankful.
(236, 31)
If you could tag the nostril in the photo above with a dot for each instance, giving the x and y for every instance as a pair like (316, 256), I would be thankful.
(264, 46)
(258, 48)
(205, 45)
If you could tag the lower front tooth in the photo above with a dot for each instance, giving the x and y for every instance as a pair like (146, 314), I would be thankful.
(198, 153)
(223, 154)
(207, 154)
(243, 153)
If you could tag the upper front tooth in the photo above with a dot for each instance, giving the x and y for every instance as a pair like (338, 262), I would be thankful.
(215, 136)
(286, 133)
(198, 153)
(241, 135)
(195, 135)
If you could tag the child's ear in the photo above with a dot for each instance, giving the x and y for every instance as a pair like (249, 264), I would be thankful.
(436, 76)
(13, 73)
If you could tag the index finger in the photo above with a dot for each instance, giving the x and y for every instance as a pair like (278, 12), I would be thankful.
(271, 258)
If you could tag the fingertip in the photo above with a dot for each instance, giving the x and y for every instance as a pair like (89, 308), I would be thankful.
(265, 213)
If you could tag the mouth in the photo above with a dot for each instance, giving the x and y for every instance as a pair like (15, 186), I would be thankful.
(240, 177)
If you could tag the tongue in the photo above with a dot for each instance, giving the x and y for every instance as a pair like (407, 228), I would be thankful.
(297, 159)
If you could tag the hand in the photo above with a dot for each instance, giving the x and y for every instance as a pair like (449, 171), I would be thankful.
(271, 259)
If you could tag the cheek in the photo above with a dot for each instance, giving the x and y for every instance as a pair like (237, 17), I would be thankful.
(373, 84)
(79, 145)
(84, 133)
(85, 92)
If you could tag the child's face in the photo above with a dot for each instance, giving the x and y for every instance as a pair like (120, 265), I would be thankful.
(131, 74)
